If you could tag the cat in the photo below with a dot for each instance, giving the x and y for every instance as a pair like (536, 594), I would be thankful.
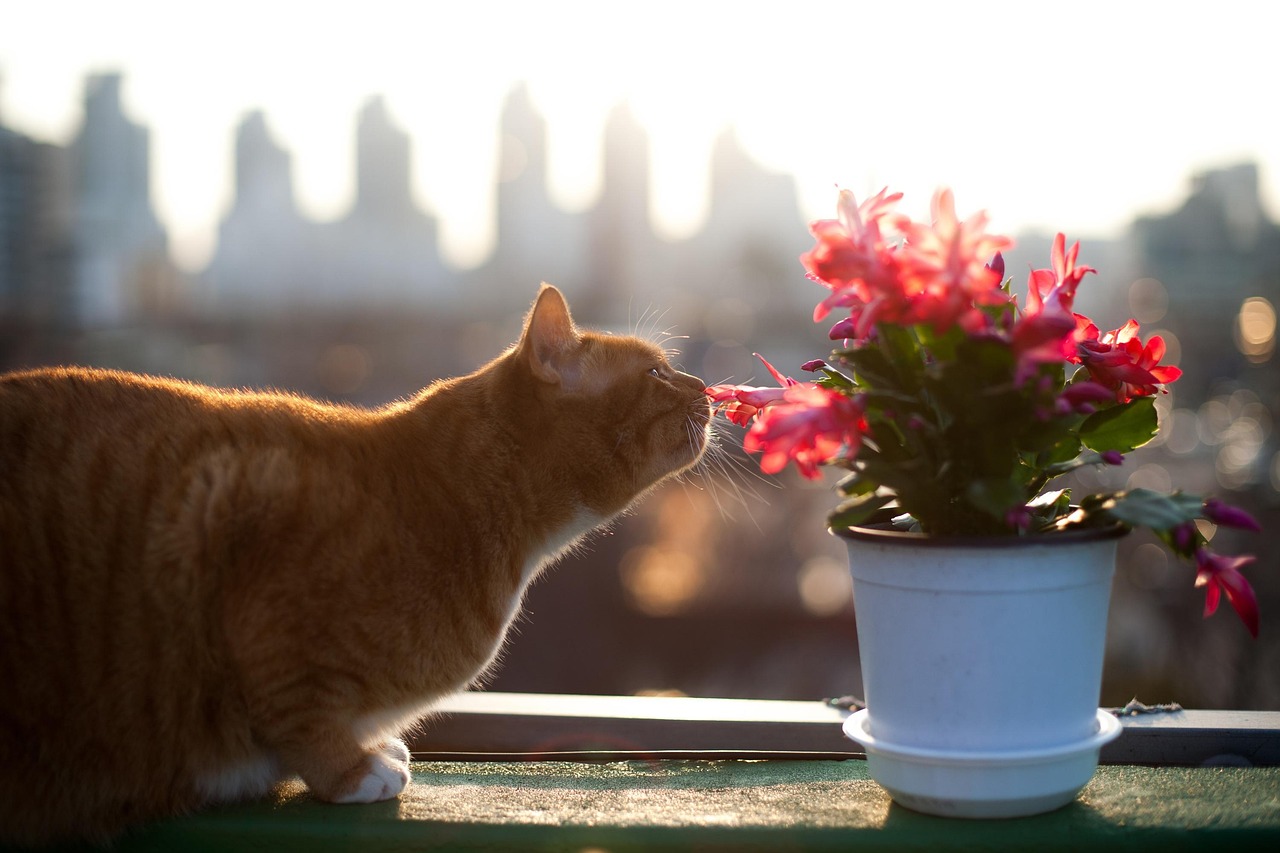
(203, 592)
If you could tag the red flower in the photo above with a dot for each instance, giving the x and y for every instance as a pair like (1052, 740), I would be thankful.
(1045, 337)
(851, 256)
(945, 267)
(1220, 574)
(1045, 331)
(1056, 287)
(812, 425)
(741, 403)
(1119, 360)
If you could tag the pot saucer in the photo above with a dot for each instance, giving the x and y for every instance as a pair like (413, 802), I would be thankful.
(1003, 784)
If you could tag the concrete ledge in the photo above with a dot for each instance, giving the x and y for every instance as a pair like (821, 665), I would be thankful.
(729, 805)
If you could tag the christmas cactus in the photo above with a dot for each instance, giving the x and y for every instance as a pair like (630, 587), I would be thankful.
(955, 405)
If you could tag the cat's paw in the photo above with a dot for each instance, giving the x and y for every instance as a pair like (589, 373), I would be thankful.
(386, 777)
(395, 749)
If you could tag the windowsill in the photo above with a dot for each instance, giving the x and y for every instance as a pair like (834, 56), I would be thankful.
(510, 725)
(657, 772)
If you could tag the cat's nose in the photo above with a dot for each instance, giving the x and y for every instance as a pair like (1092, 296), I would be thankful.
(690, 381)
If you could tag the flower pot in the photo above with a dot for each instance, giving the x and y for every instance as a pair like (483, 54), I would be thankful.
(982, 666)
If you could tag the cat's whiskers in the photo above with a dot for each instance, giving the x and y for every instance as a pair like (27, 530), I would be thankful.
(722, 475)
(646, 325)
(647, 328)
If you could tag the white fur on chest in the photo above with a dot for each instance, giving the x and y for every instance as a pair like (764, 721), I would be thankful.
(374, 728)
(560, 542)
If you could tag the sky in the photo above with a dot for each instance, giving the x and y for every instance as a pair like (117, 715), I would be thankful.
(1074, 117)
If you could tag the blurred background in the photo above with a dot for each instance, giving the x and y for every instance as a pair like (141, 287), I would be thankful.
(350, 200)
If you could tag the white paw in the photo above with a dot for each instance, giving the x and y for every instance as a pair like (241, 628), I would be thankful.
(386, 778)
(395, 749)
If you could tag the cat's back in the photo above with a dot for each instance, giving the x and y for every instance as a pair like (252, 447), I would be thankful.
(116, 500)
(87, 402)
(82, 429)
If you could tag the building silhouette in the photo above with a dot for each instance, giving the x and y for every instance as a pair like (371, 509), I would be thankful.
(1217, 250)
(263, 249)
(387, 247)
(35, 235)
(121, 251)
(536, 240)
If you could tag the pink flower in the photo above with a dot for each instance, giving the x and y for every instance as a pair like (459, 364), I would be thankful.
(1044, 333)
(1046, 337)
(741, 403)
(813, 425)
(851, 256)
(945, 267)
(1055, 289)
(1220, 574)
(1120, 361)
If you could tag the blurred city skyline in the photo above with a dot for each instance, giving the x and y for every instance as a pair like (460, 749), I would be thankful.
(377, 211)
(1079, 123)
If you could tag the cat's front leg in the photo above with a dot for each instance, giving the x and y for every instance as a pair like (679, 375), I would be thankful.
(337, 769)
(387, 776)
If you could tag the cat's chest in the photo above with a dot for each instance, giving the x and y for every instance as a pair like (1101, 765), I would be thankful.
(556, 545)
(485, 644)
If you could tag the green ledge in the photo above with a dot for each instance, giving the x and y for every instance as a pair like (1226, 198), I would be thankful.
(728, 805)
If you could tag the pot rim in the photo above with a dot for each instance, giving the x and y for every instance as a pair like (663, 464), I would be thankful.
(887, 534)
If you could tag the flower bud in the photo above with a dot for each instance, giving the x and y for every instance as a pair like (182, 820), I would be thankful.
(1184, 537)
(996, 265)
(1112, 457)
(846, 328)
(815, 364)
(1018, 518)
(1229, 516)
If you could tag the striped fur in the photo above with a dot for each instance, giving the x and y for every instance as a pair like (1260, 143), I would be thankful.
(204, 591)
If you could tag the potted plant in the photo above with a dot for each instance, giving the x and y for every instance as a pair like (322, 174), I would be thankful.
(981, 587)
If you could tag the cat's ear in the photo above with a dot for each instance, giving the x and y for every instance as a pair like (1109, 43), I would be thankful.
(550, 338)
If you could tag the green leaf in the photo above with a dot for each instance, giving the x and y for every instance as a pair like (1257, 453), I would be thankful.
(1122, 428)
(857, 510)
(857, 484)
(903, 350)
(871, 366)
(1156, 510)
(995, 497)
(835, 380)
(1050, 506)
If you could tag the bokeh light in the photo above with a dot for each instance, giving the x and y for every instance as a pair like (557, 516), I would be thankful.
(1256, 329)
(1148, 300)
(825, 586)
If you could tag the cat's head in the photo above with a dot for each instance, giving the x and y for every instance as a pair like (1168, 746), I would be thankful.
(607, 414)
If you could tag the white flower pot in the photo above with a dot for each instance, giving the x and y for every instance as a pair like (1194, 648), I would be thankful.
(982, 666)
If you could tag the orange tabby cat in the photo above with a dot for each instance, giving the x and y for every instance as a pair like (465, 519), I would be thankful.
(202, 592)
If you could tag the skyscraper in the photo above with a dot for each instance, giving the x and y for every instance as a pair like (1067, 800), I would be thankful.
(117, 235)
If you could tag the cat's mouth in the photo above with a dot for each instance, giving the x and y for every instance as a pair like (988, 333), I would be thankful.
(699, 423)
